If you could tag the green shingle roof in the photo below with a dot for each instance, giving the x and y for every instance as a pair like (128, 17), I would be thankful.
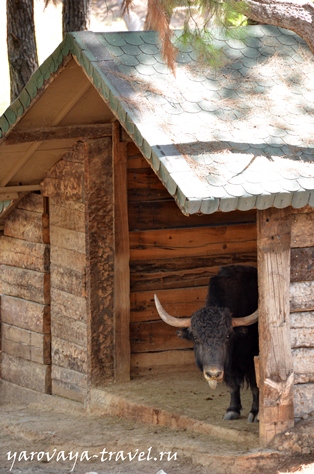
(237, 137)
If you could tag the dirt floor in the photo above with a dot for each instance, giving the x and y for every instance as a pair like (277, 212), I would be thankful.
(183, 421)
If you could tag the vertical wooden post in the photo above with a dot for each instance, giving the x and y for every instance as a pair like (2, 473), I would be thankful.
(100, 260)
(276, 365)
(121, 259)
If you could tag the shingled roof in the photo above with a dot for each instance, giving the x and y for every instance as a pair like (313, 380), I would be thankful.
(235, 137)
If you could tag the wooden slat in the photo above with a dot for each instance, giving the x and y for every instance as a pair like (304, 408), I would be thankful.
(65, 303)
(171, 243)
(302, 230)
(68, 239)
(28, 345)
(275, 360)
(24, 254)
(26, 373)
(69, 383)
(155, 336)
(68, 355)
(183, 272)
(58, 133)
(68, 280)
(165, 214)
(25, 314)
(26, 225)
(178, 302)
(26, 284)
(143, 185)
(302, 296)
(152, 362)
(121, 259)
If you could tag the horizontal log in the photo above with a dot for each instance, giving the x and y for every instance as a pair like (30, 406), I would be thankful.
(25, 314)
(303, 360)
(302, 296)
(179, 302)
(68, 280)
(24, 254)
(65, 303)
(143, 185)
(68, 258)
(68, 355)
(182, 272)
(26, 225)
(59, 133)
(69, 384)
(155, 336)
(303, 399)
(26, 284)
(26, 373)
(67, 239)
(165, 214)
(56, 201)
(67, 218)
(65, 180)
(151, 362)
(69, 329)
(190, 242)
(32, 202)
(302, 230)
(26, 344)
(302, 264)
(302, 337)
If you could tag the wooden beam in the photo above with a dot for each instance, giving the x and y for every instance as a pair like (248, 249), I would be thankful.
(58, 133)
(275, 359)
(122, 258)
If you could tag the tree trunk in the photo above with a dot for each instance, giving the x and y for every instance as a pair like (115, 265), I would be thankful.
(75, 15)
(22, 51)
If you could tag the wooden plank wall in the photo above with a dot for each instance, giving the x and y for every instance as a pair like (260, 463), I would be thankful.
(302, 309)
(175, 256)
(64, 185)
(25, 296)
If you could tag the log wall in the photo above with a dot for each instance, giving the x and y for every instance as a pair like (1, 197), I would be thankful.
(174, 256)
(25, 296)
(302, 309)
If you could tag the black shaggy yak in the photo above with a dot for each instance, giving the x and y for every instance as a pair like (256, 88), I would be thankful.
(225, 334)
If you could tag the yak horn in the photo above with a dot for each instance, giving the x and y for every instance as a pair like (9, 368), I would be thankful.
(246, 321)
(171, 320)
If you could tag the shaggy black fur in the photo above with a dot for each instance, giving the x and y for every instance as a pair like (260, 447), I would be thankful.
(232, 293)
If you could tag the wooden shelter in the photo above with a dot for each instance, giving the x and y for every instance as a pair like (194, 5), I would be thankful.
(119, 180)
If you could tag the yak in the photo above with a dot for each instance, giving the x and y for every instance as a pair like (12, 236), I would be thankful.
(225, 334)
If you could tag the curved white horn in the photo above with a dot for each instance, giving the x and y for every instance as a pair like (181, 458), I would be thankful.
(171, 320)
(246, 321)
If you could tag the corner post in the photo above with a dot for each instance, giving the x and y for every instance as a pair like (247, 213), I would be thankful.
(275, 361)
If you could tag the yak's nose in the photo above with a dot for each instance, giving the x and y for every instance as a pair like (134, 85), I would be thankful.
(213, 373)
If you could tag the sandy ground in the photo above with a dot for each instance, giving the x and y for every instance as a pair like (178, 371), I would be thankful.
(64, 438)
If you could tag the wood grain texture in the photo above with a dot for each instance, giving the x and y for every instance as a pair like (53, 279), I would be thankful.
(28, 345)
(100, 256)
(275, 360)
(21, 253)
(26, 373)
(25, 314)
(26, 225)
(302, 264)
(190, 242)
(302, 229)
(26, 284)
(121, 259)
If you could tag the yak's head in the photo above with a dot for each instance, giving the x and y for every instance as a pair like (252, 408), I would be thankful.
(211, 329)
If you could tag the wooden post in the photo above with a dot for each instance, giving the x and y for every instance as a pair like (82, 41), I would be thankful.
(275, 360)
(100, 260)
(122, 258)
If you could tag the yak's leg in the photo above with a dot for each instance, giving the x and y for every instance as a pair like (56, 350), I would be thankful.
(234, 410)
(253, 415)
